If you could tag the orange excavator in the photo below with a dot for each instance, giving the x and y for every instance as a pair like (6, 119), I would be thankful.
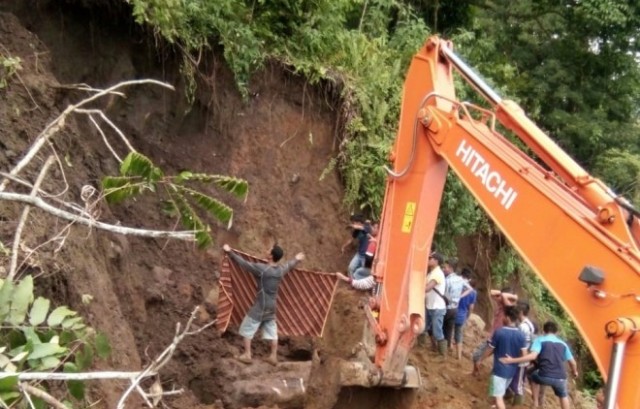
(580, 238)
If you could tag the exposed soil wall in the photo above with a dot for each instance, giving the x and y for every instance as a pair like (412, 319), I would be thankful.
(281, 141)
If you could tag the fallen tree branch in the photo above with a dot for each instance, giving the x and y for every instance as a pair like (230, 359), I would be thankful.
(186, 235)
(39, 393)
(164, 357)
(58, 123)
(23, 218)
(109, 122)
(69, 376)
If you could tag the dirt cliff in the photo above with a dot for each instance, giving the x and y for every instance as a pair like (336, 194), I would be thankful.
(281, 140)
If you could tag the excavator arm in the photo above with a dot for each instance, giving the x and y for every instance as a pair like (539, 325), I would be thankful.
(577, 236)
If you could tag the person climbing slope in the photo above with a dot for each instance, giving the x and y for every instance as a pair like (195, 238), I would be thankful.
(263, 312)
(360, 230)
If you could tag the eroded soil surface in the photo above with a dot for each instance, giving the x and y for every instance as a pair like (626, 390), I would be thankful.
(281, 140)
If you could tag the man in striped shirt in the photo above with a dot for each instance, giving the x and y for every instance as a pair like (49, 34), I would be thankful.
(362, 284)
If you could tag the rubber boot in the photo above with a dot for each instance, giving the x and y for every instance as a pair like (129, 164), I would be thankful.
(442, 347)
(422, 340)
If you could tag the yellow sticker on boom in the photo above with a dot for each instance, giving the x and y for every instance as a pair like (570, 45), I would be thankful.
(409, 214)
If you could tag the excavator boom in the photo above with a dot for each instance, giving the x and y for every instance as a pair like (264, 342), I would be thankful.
(577, 236)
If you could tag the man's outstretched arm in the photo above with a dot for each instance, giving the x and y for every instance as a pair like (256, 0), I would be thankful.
(290, 265)
(244, 264)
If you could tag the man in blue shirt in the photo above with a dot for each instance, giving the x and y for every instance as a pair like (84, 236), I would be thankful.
(506, 341)
(551, 353)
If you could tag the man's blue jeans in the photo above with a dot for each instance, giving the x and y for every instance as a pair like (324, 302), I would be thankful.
(356, 262)
(435, 319)
(361, 272)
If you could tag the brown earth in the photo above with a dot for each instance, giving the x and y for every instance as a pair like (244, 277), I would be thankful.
(281, 140)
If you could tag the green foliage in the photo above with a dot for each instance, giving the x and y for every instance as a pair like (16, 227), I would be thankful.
(508, 270)
(138, 174)
(505, 266)
(575, 67)
(621, 170)
(460, 215)
(76, 388)
(4, 251)
(35, 338)
(103, 348)
(9, 66)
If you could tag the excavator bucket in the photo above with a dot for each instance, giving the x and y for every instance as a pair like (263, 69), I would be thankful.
(363, 374)
(360, 371)
(412, 377)
(360, 386)
(287, 384)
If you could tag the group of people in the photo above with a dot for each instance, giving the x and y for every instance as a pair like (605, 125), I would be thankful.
(518, 354)
(521, 355)
(449, 300)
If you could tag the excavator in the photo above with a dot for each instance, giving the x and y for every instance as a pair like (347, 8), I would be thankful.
(579, 237)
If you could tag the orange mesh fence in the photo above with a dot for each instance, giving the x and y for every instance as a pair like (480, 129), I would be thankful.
(304, 298)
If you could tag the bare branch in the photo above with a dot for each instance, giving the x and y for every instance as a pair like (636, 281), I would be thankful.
(64, 176)
(185, 235)
(38, 393)
(165, 356)
(84, 87)
(104, 139)
(108, 121)
(23, 218)
(75, 376)
(27, 397)
(57, 124)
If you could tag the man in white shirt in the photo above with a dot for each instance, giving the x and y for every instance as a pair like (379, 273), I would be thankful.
(528, 329)
(435, 302)
(362, 284)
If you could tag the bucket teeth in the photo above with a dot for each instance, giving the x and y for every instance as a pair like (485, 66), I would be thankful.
(367, 375)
